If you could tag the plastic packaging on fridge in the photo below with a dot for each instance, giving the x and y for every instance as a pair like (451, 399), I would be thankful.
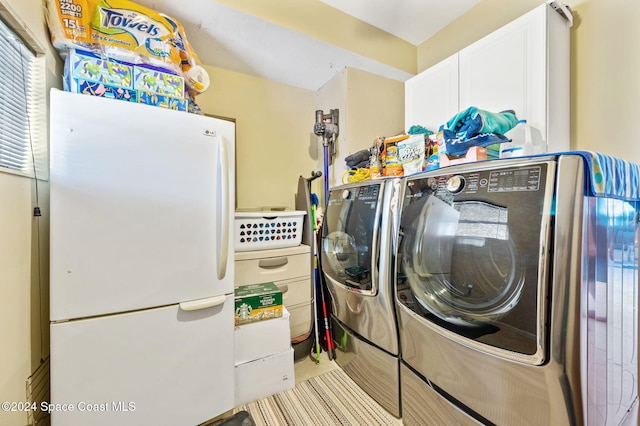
(125, 31)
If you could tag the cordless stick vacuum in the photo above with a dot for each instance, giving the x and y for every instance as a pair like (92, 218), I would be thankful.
(326, 126)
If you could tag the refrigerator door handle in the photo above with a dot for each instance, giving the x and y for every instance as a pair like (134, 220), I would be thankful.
(224, 190)
(209, 302)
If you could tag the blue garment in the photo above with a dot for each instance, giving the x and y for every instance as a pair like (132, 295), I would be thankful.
(457, 146)
(473, 121)
(476, 127)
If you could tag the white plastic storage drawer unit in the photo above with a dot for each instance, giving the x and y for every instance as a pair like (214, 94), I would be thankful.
(290, 269)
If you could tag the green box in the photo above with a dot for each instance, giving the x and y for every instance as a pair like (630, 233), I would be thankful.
(257, 302)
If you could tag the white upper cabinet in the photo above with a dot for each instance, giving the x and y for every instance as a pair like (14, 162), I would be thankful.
(523, 66)
(507, 70)
(431, 97)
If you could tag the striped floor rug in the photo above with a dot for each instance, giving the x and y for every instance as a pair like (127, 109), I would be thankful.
(331, 398)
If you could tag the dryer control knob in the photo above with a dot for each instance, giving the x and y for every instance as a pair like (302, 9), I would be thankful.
(455, 184)
(346, 194)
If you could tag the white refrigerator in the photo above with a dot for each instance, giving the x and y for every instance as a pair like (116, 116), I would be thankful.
(141, 298)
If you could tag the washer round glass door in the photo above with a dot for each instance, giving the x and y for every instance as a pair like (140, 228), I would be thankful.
(350, 237)
(461, 264)
(470, 257)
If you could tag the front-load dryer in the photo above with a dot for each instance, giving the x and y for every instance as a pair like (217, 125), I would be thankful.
(355, 259)
(517, 292)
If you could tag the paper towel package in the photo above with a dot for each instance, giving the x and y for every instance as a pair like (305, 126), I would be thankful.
(90, 74)
(155, 81)
(164, 101)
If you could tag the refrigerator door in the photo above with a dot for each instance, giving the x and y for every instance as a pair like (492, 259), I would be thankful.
(141, 206)
(164, 366)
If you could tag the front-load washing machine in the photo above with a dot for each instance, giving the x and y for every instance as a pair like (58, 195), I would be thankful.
(355, 260)
(517, 292)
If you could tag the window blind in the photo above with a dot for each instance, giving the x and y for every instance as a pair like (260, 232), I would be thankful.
(16, 102)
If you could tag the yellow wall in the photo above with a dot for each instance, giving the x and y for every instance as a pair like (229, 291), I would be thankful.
(605, 64)
(605, 82)
(375, 107)
(274, 129)
(15, 284)
(24, 251)
(275, 143)
(369, 106)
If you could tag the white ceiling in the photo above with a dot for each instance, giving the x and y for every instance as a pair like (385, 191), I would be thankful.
(411, 20)
(227, 38)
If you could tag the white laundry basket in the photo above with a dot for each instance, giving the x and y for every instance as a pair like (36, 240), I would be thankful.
(266, 230)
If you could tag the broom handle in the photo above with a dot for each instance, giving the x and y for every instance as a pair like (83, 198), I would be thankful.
(325, 312)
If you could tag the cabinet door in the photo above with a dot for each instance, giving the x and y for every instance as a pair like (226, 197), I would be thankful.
(507, 70)
(431, 97)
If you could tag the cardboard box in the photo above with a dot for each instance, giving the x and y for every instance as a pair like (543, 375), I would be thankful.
(264, 377)
(257, 302)
(262, 338)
